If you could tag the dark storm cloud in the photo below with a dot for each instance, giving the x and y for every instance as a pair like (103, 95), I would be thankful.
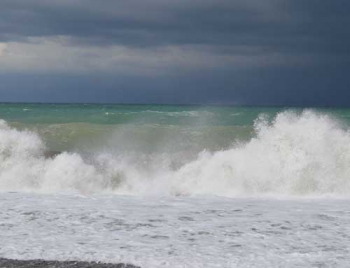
(267, 52)
(290, 26)
(268, 86)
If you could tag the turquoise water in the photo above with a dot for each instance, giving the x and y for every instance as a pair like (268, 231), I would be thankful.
(70, 127)
(145, 114)
(131, 114)
(146, 128)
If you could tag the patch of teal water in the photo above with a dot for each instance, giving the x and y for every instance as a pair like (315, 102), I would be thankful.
(132, 114)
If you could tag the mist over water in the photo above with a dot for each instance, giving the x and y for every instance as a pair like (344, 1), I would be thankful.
(225, 152)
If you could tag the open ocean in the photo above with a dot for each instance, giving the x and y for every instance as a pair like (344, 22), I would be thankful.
(175, 186)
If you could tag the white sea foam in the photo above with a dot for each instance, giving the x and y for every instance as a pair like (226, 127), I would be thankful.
(176, 232)
(302, 154)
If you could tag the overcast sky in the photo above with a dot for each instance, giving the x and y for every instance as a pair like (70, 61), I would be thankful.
(254, 52)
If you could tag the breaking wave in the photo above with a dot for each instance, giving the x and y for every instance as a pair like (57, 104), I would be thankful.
(295, 154)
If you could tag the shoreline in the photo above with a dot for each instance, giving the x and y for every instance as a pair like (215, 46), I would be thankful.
(11, 263)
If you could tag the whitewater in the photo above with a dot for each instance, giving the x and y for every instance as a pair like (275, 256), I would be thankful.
(275, 193)
(303, 154)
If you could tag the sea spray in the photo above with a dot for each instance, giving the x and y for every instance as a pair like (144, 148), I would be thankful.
(306, 154)
(295, 154)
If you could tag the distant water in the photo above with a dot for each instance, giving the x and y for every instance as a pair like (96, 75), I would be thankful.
(175, 150)
(175, 186)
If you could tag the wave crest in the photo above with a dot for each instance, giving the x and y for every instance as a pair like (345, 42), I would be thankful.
(303, 154)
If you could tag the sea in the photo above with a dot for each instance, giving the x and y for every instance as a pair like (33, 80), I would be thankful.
(175, 186)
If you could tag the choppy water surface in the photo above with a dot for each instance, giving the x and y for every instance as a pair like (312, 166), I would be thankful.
(175, 186)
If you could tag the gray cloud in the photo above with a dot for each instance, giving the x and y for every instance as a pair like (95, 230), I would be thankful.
(283, 32)
(291, 26)
(264, 51)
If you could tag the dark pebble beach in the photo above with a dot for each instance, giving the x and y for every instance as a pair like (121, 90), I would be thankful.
(7, 263)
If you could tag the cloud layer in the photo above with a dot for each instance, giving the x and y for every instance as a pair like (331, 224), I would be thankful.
(132, 36)
(229, 49)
